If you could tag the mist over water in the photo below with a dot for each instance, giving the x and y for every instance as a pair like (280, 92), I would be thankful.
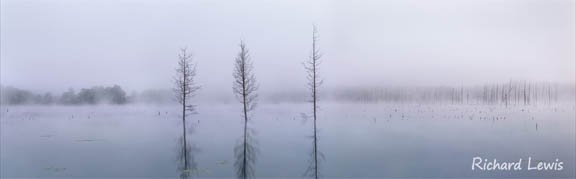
(286, 89)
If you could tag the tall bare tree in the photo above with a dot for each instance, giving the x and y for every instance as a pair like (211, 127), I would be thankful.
(314, 82)
(185, 88)
(244, 87)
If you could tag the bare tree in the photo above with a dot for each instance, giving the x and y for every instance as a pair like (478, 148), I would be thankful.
(314, 82)
(244, 87)
(185, 88)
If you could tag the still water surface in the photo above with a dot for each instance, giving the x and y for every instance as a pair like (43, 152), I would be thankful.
(355, 140)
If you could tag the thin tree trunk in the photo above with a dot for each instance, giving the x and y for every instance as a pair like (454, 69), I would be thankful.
(245, 119)
(184, 131)
(315, 98)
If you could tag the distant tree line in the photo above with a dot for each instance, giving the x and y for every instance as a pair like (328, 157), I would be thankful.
(95, 95)
(508, 93)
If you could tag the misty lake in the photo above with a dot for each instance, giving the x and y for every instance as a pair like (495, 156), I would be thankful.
(356, 140)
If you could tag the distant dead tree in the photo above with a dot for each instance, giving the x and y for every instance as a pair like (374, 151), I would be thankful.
(185, 88)
(244, 87)
(314, 82)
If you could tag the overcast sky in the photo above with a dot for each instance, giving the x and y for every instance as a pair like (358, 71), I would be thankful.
(57, 44)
